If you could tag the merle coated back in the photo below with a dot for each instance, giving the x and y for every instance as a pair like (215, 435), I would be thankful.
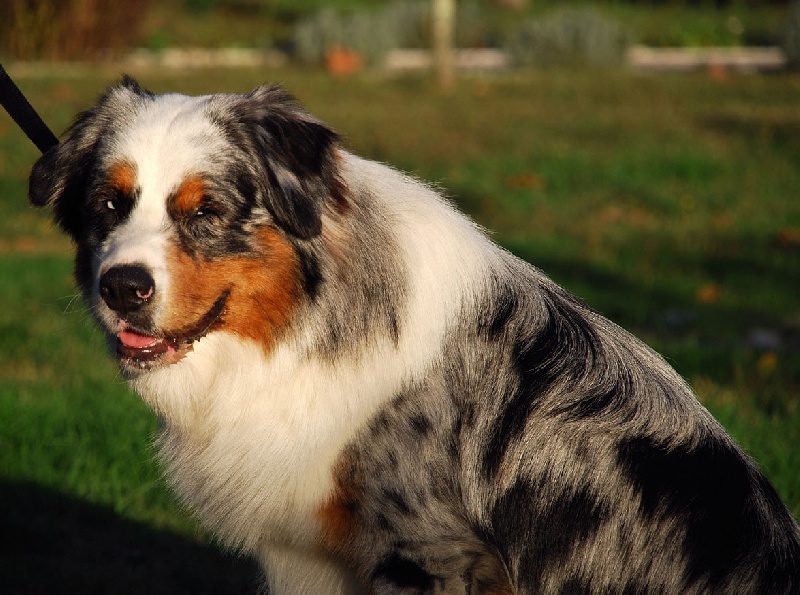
(584, 462)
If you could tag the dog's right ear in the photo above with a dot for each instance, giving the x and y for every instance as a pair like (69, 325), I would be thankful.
(59, 178)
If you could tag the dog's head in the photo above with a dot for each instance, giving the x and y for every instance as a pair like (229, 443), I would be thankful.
(188, 213)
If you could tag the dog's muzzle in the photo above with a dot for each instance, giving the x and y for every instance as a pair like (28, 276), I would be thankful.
(128, 290)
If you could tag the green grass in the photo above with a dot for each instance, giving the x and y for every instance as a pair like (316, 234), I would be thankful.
(668, 203)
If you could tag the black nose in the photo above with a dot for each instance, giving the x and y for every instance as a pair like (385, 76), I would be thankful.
(126, 288)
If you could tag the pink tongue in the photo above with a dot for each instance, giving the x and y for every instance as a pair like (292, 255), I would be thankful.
(137, 341)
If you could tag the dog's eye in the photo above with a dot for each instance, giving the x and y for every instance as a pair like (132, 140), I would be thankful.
(204, 212)
(116, 203)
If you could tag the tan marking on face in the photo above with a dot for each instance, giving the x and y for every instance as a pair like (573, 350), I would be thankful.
(122, 177)
(188, 197)
(264, 289)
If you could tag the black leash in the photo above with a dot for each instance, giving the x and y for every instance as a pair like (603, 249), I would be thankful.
(22, 112)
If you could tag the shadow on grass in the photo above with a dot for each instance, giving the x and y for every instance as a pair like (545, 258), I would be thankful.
(52, 543)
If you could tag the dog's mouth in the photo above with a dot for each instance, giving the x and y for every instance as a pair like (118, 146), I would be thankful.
(140, 350)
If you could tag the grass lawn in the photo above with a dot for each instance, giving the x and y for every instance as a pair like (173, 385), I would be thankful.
(669, 203)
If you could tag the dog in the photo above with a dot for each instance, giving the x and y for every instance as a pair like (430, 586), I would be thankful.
(362, 391)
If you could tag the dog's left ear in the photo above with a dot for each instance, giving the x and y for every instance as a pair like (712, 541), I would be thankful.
(298, 153)
(59, 177)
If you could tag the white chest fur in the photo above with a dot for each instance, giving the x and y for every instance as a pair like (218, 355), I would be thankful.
(250, 441)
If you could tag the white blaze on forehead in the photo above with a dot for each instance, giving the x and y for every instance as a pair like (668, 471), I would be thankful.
(170, 138)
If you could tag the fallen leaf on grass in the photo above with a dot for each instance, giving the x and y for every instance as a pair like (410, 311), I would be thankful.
(526, 181)
(789, 237)
(708, 293)
(767, 363)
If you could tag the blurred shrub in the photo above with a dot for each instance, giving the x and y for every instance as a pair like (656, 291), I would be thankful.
(245, 6)
(372, 33)
(369, 34)
(68, 29)
(570, 37)
(199, 6)
(791, 36)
